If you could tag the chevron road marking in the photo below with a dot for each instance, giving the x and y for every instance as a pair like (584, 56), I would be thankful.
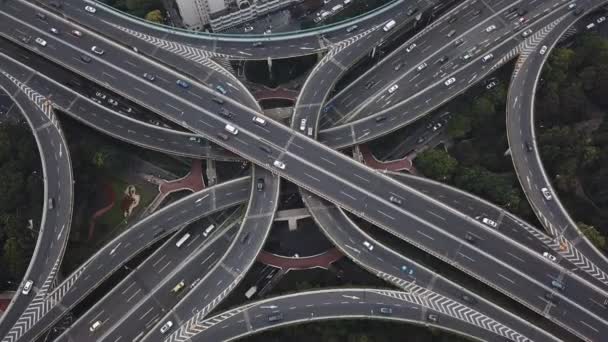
(417, 294)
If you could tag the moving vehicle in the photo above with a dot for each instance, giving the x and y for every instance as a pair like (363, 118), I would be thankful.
(546, 193)
(396, 200)
(90, 9)
(543, 49)
(389, 25)
(368, 245)
(76, 33)
(432, 318)
(95, 325)
(279, 164)
(386, 311)
(450, 81)
(303, 124)
(231, 129)
(260, 184)
(487, 57)
(27, 287)
(54, 30)
(489, 222)
(259, 121)
(490, 28)
(526, 33)
(421, 67)
(220, 89)
(218, 100)
(558, 285)
(275, 316)
(40, 41)
(208, 230)
(549, 256)
(166, 327)
(177, 288)
(182, 84)
(393, 88)
(411, 47)
(182, 240)
(351, 28)
(51, 203)
(97, 50)
(149, 77)
(252, 290)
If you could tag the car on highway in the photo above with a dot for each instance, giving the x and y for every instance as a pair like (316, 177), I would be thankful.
(368, 245)
(182, 84)
(451, 33)
(260, 184)
(487, 57)
(54, 30)
(411, 11)
(469, 237)
(468, 299)
(572, 5)
(386, 311)
(526, 33)
(452, 19)
(407, 270)
(113, 102)
(421, 67)
(166, 327)
(558, 285)
(411, 47)
(51, 203)
(529, 147)
(351, 28)
(40, 41)
(245, 237)
(275, 316)
(393, 88)
(220, 89)
(258, 44)
(443, 59)
(231, 129)
(476, 12)
(489, 222)
(543, 50)
(549, 256)
(458, 42)
(546, 194)
(396, 200)
(578, 11)
(218, 100)
(259, 121)
(449, 81)
(303, 124)
(94, 326)
(389, 25)
(26, 39)
(491, 84)
(97, 50)
(90, 9)
(150, 77)
(222, 136)
(600, 20)
(380, 118)
(398, 66)
(208, 230)
(590, 26)
(279, 164)
(41, 16)
(226, 113)
(27, 287)
(432, 318)
(248, 28)
(265, 149)
(100, 95)
(490, 28)
(369, 84)
(76, 33)
(179, 287)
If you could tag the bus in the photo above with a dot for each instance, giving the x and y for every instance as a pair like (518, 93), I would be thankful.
(183, 239)
(252, 290)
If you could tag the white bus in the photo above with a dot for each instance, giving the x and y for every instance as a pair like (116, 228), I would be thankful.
(252, 290)
(183, 239)
(389, 25)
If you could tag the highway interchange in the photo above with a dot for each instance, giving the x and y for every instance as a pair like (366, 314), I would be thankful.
(428, 222)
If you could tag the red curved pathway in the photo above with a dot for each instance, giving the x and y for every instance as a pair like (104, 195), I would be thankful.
(323, 260)
(403, 164)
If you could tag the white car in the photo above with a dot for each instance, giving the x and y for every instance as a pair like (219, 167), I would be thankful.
(489, 222)
(449, 81)
(90, 9)
(600, 20)
(259, 121)
(368, 245)
(546, 194)
(27, 287)
(490, 28)
(549, 256)
(411, 47)
(54, 30)
(76, 33)
(166, 327)
(279, 164)
(590, 26)
(40, 41)
(95, 325)
(487, 57)
(543, 50)
(231, 129)
(421, 67)
(97, 50)
(303, 124)
(393, 88)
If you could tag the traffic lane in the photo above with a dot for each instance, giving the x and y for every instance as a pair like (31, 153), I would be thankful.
(341, 231)
(240, 256)
(425, 100)
(139, 284)
(436, 40)
(315, 306)
(441, 242)
(193, 66)
(193, 268)
(113, 70)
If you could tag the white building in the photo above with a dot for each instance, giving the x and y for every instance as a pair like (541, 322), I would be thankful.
(222, 14)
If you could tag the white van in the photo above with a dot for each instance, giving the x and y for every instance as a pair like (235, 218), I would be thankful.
(231, 129)
(389, 25)
(208, 230)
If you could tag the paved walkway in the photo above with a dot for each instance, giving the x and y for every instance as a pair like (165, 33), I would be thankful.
(323, 260)
(193, 182)
(404, 164)
(277, 93)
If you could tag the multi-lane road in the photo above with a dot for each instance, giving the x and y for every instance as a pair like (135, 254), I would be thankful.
(132, 49)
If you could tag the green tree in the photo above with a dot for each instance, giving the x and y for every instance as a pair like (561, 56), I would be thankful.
(155, 16)
(593, 235)
(13, 258)
(436, 164)
(459, 126)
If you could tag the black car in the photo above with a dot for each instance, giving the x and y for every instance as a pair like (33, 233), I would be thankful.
(149, 77)
(245, 237)
(369, 84)
(85, 58)
(217, 100)
(260, 184)
(468, 299)
(411, 11)
(477, 12)
(470, 238)
(452, 19)
(443, 59)
(529, 147)
(226, 113)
